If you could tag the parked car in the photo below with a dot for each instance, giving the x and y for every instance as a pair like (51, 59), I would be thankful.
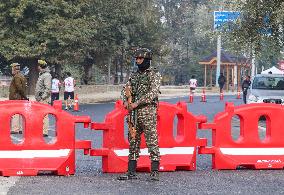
(267, 88)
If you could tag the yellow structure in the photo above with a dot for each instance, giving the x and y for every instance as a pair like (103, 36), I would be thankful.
(229, 65)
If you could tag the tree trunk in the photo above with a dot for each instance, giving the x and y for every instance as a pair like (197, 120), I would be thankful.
(88, 73)
(32, 77)
(116, 71)
(121, 65)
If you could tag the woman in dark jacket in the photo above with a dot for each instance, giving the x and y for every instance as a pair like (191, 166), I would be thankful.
(245, 85)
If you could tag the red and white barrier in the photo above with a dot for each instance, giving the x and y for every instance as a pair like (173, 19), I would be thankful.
(248, 151)
(34, 154)
(177, 153)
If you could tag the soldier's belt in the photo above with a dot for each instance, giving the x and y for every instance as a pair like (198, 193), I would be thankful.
(147, 104)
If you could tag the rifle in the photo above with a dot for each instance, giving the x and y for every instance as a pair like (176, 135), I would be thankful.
(131, 128)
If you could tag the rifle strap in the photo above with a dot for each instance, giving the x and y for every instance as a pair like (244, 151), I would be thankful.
(133, 115)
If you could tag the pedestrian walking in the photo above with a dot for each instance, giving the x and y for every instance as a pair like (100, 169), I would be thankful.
(192, 84)
(221, 82)
(42, 90)
(69, 87)
(17, 91)
(55, 88)
(245, 86)
(144, 86)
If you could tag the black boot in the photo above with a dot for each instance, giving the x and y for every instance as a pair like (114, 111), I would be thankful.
(131, 173)
(154, 175)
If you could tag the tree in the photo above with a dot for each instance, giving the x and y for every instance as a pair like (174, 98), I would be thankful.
(57, 31)
(258, 30)
(93, 36)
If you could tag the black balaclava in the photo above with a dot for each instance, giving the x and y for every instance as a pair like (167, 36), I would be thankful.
(144, 65)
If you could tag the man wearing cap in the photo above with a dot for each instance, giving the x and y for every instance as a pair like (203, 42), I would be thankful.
(17, 91)
(144, 85)
(43, 89)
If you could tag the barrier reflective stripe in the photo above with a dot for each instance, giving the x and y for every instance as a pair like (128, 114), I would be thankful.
(252, 151)
(178, 152)
(163, 151)
(34, 153)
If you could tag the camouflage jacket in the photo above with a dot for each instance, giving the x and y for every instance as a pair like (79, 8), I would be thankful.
(43, 85)
(145, 87)
(18, 87)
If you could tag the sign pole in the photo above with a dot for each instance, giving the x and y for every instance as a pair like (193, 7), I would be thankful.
(220, 18)
(219, 47)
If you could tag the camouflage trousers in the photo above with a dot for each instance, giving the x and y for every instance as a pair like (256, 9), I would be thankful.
(145, 122)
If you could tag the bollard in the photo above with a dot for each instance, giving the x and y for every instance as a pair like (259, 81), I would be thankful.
(76, 104)
(238, 94)
(190, 98)
(221, 95)
(203, 96)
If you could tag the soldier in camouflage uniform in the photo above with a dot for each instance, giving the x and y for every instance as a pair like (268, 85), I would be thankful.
(144, 84)
(43, 89)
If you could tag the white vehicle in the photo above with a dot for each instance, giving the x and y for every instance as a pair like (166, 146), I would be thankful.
(267, 88)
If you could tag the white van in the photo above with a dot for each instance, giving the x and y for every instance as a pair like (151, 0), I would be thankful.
(267, 88)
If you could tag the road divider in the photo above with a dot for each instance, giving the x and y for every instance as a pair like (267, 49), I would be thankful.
(177, 132)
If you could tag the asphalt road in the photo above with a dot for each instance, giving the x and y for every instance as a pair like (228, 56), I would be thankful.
(90, 180)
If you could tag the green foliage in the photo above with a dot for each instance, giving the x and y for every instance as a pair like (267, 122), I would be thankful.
(83, 36)
(261, 28)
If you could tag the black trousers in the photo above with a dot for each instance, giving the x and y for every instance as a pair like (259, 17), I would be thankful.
(245, 92)
(221, 87)
(54, 96)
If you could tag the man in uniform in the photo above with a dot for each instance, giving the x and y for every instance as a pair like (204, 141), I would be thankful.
(17, 91)
(144, 85)
(43, 89)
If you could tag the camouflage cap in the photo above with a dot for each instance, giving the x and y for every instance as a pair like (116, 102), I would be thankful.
(15, 64)
(42, 63)
(144, 53)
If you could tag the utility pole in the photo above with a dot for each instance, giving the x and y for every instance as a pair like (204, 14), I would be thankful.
(219, 48)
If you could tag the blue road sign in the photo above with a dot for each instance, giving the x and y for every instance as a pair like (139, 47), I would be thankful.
(266, 28)
(223, 17)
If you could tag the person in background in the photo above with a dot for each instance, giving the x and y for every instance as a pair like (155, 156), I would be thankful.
(42, 90)
(221, 82)
(69, 87)
(17, 91)
(55, 88)
(245, 86)
(192, 84)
